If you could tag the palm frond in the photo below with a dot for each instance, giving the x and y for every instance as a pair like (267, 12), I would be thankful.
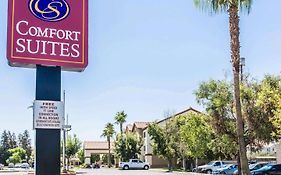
(218, 6)
(246, 5)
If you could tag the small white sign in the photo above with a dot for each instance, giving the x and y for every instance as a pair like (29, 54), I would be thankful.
(48, 114)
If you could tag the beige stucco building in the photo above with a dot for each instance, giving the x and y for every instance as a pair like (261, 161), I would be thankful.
(96, 147)
(153, 160)
(141, 130)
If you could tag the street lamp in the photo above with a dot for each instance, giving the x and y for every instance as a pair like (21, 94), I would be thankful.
(242, 64)
(65, 128)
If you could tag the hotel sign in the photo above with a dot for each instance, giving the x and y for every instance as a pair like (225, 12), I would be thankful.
(48, 32)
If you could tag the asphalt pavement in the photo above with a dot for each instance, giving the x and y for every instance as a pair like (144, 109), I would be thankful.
(105, 171)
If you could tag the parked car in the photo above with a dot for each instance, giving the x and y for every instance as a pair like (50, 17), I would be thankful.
(11, 165)
(1, 166)
(268, 169)
(134, 164)
(18, 165)
(25, 165)
(254, 166)
(95, 165)
(228, 169)
(210, 167)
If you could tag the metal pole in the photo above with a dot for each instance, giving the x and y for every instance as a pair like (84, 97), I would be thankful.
(64, 139)
(48, 87)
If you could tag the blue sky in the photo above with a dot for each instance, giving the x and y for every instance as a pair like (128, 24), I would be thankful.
(145, 57)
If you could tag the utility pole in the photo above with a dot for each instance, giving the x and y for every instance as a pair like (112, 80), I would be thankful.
(64, 138)
(66, 127)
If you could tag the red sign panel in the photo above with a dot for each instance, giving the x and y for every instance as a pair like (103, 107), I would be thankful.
(48, 32)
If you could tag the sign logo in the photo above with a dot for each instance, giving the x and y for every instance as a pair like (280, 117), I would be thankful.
(49, 10)
(49, 33)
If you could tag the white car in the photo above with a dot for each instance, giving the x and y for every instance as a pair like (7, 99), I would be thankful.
(210, 167)
(25, 166)
(18, 165)
(1, 166)
(134, 164)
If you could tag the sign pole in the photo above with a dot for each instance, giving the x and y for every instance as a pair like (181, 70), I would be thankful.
(48, 87)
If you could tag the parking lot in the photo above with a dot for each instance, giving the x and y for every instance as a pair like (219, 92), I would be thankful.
(129, 172)
(115, 172)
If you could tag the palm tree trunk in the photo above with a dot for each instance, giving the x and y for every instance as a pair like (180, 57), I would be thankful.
(108, 157)
(121, 128)
(235, 58)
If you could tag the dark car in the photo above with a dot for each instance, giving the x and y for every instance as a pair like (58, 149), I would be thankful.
(268, 169)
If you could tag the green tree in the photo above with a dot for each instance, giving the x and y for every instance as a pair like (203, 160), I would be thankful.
(276, 120)
(12, 140)
(232, 7)
(17, 155)
(73, 145)
(269, 101)
(95, 158)
(180, 147)
(257, 107)
(4, 147)
(120, 118)
(3, 157)
(128, 146)
(216, 96)
(25, 142)
(8, 141)
(163, 142)
(108, 132)
(256, 110)
(81, 156)
(196, 134)
(105, 159)
(223, 147)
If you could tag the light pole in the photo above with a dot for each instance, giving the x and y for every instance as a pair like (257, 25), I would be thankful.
(64, 140)
(242, 64)
(65, 129)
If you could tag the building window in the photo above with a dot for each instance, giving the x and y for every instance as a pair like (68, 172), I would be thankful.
(144, 148)
(144, 134)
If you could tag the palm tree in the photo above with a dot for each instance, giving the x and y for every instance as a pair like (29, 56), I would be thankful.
(232, 7)
(108, 132)
(120, 119)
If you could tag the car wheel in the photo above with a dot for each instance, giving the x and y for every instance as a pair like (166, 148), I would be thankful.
(209, 171)
(146, 167)
(126, 167)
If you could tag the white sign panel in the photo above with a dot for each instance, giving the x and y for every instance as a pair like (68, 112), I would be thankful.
(48, 114)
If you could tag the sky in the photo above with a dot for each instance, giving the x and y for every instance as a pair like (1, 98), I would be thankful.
(145, 57)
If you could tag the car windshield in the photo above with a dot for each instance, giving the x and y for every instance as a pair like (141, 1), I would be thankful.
(230, 165)
(266, 167)
(211, 163)
(251, 166)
